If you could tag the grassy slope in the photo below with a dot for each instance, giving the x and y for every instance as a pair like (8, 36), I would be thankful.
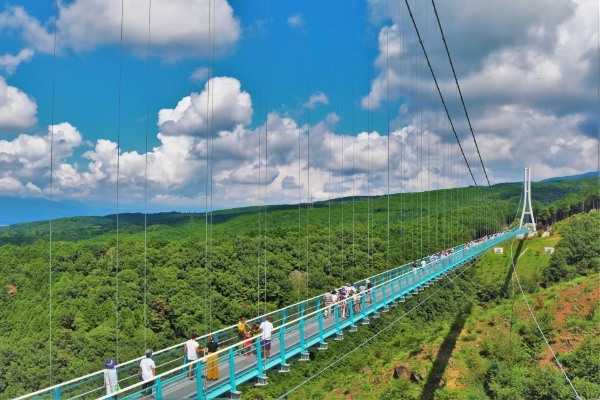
(447, 352)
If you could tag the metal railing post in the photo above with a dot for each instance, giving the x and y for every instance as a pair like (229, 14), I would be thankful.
(259, 361)
(199, 388)
(321, 332)
(282, 344)
(302, 341)
(336, 313)
(159, 393)
(232, 380)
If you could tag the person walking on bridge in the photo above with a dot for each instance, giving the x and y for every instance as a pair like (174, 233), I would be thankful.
(191, 350)
(212, 362)
(148, 369)
(266, 327)
(110, 377)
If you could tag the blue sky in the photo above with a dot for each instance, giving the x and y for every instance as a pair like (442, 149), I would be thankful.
(323, 74)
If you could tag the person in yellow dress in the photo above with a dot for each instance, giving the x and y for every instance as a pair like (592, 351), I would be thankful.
(212, 362)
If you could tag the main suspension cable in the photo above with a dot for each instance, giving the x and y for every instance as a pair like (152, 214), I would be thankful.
(439, 90)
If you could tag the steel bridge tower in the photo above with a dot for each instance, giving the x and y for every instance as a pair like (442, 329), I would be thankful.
(527, 209)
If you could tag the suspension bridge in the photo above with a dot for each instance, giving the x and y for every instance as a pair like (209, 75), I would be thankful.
(298, 327)
(307, 324)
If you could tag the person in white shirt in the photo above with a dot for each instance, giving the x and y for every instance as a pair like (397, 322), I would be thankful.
(148, 372)
(191, 351)
(266, 328)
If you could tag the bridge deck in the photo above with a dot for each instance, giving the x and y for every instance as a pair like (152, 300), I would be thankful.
(297, 328)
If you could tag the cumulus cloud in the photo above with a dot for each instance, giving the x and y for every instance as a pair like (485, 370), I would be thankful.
(178, 28)
(531, 91)
(16, 19)
(25, 161)
(17, 109)
(422, 156)
(9, 63)
(221, 105)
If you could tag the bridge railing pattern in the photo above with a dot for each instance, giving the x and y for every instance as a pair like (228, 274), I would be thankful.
(297, 328)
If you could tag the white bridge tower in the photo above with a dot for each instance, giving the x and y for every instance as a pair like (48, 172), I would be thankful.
(527, 209)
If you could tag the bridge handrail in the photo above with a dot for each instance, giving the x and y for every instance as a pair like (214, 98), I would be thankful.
(295, 322)
(286, 324)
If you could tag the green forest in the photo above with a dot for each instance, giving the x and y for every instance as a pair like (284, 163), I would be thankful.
(191, 271)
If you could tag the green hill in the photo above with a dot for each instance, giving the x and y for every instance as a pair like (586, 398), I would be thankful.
(547, 197)
(202, 282)
(463, 344)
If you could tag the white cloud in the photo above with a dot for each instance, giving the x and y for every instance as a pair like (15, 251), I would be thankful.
(200, 75)
(179, 28)
(316, 98)
(9, 63)
(531, 91)
(32, 31)
(17, 109)
(25, 162)
(222, 99)
(296, 21)
(389, 63)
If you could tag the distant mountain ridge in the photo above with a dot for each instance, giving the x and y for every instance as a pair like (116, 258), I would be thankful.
(177, 225)
(592, 174)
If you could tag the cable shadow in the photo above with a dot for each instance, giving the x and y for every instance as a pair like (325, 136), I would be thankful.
(512, 267)
(443, 356)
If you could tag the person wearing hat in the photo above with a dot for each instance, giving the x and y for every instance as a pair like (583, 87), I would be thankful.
(148, 369)
(110, 377)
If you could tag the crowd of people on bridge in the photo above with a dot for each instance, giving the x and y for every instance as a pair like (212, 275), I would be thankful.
(345, 297)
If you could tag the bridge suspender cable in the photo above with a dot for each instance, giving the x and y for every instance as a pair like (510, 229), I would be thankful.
(51, 198)
(439, 90)
(308, 201)
(207, 314)
(259, 236)
(117, 185)
(342, 48)
(212, 146)
(387, 63)
(266, 111)
(330, 130)
(353, 130)
(146, 181)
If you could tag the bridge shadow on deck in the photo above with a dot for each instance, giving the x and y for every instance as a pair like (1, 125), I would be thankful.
(443, 356)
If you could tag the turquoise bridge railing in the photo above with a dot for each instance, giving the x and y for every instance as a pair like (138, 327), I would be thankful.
(298, 327)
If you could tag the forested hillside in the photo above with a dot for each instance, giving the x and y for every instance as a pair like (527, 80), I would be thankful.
(473, 337)
(202, 277)
(552, 201)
